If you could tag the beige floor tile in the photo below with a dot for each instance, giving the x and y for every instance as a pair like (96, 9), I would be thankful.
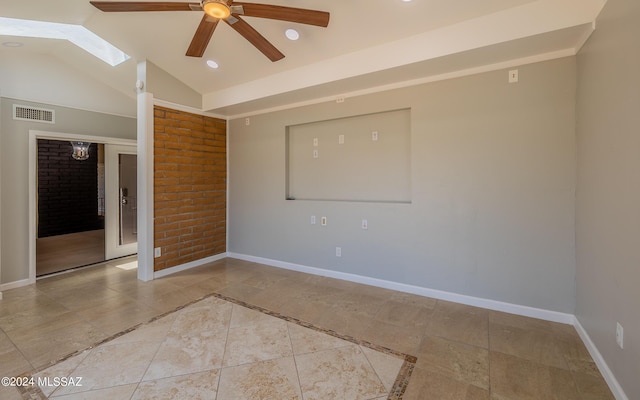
(342, 373)
(516, 378)
(112, 365)
(406, 340)
(12, 362)
(54, 340)
(460, 323)
(111, 393)
(188, 352)
(459, 361)
(261, 341)
(10, 393)
(305, 340)
(202, 385)
(210, 314)
(63, 369)
(155, 331)
(592, 387)
(386, 366)
(402, 314)
(242, 317)
(534, 345)
(273, 379)
(430, 385)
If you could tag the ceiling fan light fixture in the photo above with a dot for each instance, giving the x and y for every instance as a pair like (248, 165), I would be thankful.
(216, 8)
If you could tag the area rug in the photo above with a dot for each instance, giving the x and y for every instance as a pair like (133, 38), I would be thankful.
(221, 348)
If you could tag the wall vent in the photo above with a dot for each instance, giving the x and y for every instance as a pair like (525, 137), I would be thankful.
(28, 113)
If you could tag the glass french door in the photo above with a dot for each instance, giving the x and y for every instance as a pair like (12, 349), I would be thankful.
(121, 206)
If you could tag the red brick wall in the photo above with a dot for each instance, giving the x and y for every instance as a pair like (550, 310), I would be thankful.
(190, 186)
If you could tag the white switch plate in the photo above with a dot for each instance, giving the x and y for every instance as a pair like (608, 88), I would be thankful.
(313, 220)
(157, 252)
(513, 76)
(374, 136)
(338, 251)
(323, 221)
(315, 153)
(365, 224)
(315, 141)
(340, 139)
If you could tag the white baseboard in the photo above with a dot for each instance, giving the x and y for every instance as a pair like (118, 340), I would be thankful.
(0, 295)
(189, 265)
(606, 372)
(547, 315)
(15, 284)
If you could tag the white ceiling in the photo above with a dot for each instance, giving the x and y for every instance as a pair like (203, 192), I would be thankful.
(368, 44)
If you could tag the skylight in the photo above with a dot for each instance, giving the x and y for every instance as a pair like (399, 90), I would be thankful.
(76, 34)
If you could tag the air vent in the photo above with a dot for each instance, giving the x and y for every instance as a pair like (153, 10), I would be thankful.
(25, 113)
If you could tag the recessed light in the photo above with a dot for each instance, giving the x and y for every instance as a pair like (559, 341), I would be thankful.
(12, 44)
(292, 34)
(212, 64)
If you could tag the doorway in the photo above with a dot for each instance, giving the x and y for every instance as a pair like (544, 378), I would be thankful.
(86, 207)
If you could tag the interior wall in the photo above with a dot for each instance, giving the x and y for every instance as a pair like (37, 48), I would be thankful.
(608, 189)
(492, 189)
(14, 167)
(190, 187)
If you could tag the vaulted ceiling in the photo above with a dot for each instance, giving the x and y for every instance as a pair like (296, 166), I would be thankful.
(368, 44)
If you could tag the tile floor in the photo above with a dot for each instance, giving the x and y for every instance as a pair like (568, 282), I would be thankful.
(462, 352)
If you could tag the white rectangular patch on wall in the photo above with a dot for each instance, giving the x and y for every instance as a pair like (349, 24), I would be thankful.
(28, 113)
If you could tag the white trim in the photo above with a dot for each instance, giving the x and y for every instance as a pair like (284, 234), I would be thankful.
(606, 372)
(189, 265)
(16, 284)
(112, 247)
(0, 295)
(187, 109)
(34, 135)
(145, 186)
(526, 311)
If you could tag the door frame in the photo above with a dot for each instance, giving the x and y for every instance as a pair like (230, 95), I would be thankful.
(112, 248)
(34, 135)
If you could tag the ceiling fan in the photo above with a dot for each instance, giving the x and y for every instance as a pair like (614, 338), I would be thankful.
(228, 11)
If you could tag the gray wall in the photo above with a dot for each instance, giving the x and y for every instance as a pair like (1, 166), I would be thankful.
(608, 189)
(492, 180)
(14, 136)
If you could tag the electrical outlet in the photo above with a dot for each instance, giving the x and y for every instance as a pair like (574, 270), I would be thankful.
(513, 76)
(619, 335)
(315, 153)
(340, 139)
(247, 121)
(313, 220)
(365, 224)
(315, 142)
(157, 252)
(340, 99)
(323, 221)
(374, 136)
(338, 251)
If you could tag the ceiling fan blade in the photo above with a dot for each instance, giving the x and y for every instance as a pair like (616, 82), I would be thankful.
(299, 15)
(202, 36)
(256, 39)
(127, 6)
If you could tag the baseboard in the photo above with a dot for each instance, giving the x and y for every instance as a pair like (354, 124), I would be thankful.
(606, 372)
(526, 311)
(189, 265)
(0, 295)
(15, 284)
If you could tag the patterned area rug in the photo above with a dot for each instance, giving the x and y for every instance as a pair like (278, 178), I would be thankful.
(221, 348)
